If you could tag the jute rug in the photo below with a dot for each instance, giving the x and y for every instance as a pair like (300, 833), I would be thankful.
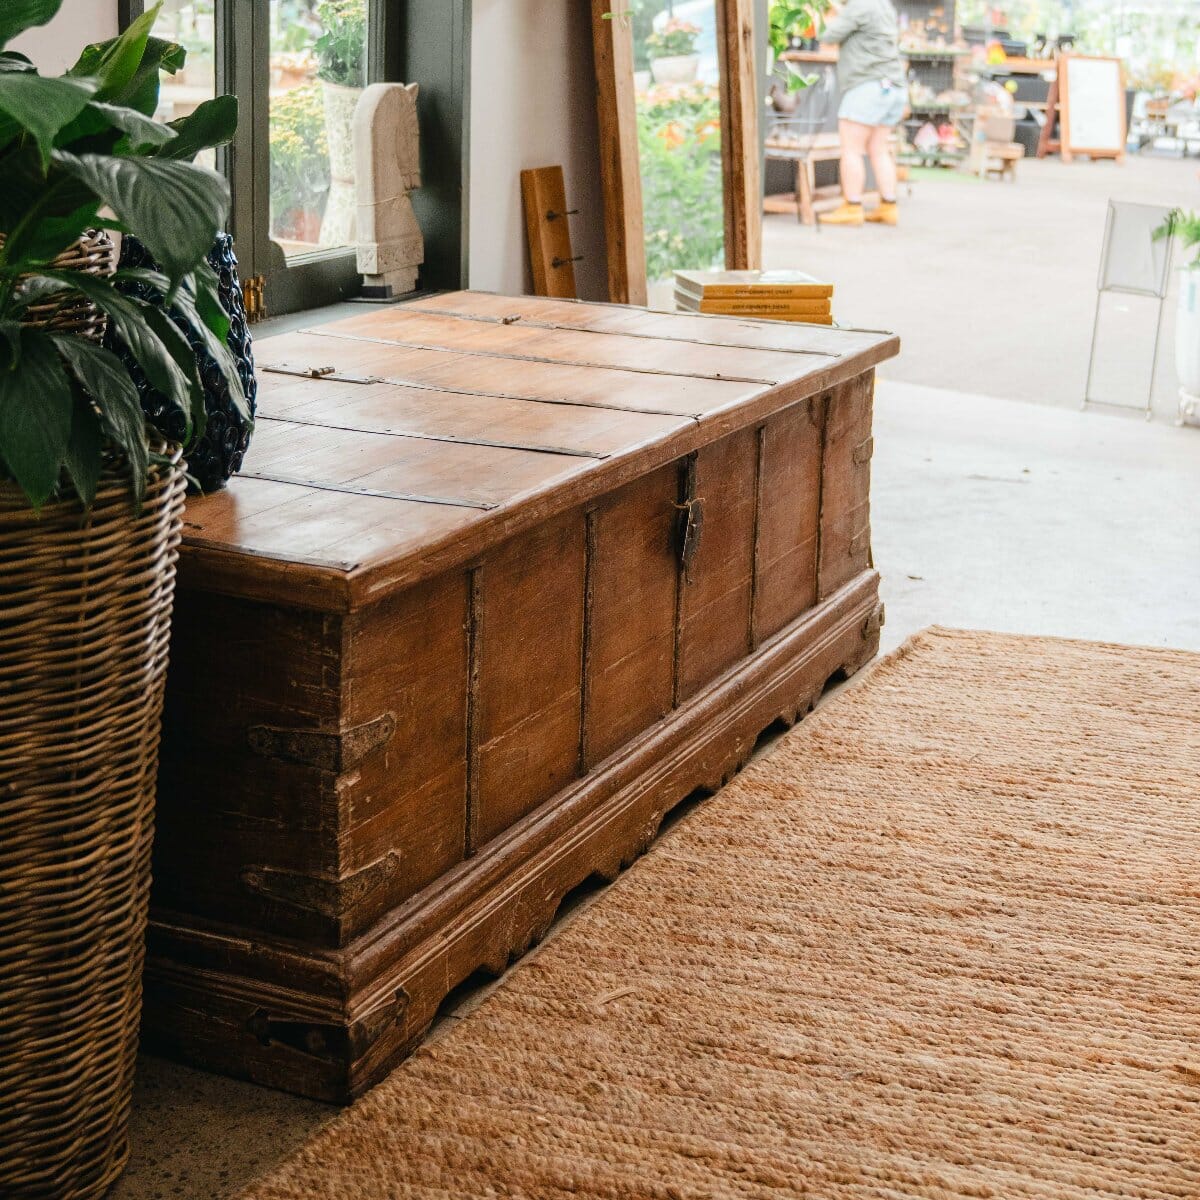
(943, 942)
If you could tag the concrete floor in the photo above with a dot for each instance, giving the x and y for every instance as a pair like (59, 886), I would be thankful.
(992, 286)
(1004, 515)
(997, 504)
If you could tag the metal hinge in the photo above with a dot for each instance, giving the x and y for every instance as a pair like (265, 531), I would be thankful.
(689, 524)
(254, 297)
(332, 898)
(338, 751)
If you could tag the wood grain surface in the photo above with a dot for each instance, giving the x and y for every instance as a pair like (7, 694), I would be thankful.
(400, 443)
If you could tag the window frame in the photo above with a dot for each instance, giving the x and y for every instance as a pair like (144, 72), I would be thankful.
(423, 40)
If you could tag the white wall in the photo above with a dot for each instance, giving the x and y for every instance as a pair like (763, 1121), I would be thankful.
(533, 104)
(56, 46)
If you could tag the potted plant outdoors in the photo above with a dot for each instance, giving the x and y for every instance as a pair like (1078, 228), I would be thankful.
(342, 69)
(299, 165)
(90, 518)
(1185, 226)
(791, 22)
(672, 51)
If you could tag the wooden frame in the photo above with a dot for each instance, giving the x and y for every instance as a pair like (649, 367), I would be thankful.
(741, 157)
(1068, 148)
(620, 173)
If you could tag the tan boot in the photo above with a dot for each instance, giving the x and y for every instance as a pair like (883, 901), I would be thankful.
(888, 213)
(844, 214)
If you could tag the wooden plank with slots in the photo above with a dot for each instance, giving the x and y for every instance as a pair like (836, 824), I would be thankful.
(503, 581)
(547, 229)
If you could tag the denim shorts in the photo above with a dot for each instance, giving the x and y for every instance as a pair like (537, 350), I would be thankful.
(876, 102)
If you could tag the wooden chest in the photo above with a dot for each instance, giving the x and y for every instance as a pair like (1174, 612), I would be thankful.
(503, 581)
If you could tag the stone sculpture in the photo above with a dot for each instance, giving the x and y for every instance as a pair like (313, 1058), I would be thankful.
(388, 167)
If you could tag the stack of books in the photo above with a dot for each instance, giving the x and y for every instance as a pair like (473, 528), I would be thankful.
(778, 295)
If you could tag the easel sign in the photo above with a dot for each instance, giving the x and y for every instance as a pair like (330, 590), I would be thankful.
(1091, 93)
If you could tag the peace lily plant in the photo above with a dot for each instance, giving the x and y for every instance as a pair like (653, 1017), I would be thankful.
(82, 152)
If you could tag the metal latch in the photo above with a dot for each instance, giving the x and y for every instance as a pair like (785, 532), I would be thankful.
(254, 297)
(689, 523)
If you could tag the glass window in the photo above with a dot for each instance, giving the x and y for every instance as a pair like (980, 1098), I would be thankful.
(678, 95)
(191, 23)
(318, 69)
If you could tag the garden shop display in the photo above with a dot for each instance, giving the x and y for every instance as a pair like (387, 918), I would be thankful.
(679, 148)
(91, 505)
(342, 69)
(672, 52)
(792, 22)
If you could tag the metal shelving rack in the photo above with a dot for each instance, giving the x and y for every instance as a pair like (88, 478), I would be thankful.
(933, 65)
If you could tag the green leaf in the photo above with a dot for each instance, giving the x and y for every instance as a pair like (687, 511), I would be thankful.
(10, 332)
(16, 16)
(105, 379)
(197, 312)
(134, 322)
(35, 417)
(85, 449)
(197, 302)
(175, 208)
(29, 196)
(208, 301)
(113, 64)
(184, 356)
(42, 107)
(13, 60)
(212, 124)
(141, 132)
(141, 92)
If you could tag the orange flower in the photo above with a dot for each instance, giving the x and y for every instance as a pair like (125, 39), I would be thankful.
(672, 135)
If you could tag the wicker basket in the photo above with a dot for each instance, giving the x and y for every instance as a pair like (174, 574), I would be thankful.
(85, 606)
(93, 254)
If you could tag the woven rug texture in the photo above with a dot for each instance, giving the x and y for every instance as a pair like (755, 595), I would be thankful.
(943, 941)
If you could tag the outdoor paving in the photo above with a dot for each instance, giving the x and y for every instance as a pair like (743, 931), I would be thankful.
(992, 286)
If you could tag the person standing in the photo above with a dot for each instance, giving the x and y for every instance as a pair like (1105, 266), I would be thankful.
(871, 78)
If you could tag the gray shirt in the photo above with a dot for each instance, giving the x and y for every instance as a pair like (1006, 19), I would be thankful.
(867, 32)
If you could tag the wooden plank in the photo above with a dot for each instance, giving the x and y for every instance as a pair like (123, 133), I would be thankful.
(240, 666)
(405, 805)
(633, 576)
(530, 635)
(289, 538)
(620, 169)
(562, 383)
(455, 473)
(304, 547)
(548, 231)
(705, 328)
(575, 347)
(481, 420)
(789, 503)
(740, 145)
(716, 593)
(846, 485)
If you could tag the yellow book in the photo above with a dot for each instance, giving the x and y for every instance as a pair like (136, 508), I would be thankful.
(751, 308)
(794, 318)
(793, 285)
